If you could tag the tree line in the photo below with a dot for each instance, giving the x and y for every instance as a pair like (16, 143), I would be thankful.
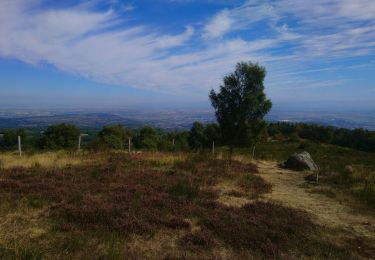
(65, 136)
(114, 137)
(360, 139)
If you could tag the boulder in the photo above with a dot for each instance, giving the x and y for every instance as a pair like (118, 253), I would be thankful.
(300, 162)
(349, 169)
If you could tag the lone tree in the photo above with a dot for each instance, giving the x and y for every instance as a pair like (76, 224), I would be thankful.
(241, 105)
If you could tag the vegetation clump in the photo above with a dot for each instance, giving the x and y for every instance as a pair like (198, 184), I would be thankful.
(241, 104)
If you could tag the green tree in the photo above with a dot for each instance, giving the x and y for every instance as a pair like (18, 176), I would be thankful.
(62, 136)
(241, 105)
(197, 138)
(148, 138)
(114, 137)
(212, 134)
(181, 142)
(10, 138)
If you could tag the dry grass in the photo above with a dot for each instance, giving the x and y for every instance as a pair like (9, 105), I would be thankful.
(326, 208)
(21, 225)
(48, 159)
(149, 206)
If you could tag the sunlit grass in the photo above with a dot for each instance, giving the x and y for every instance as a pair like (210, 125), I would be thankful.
(46, 159)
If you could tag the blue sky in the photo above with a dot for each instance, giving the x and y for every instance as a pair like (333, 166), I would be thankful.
(170, 53)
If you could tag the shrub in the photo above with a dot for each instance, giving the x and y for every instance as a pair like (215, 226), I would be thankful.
(61, 136)
(147, 139)
(261, 226)
(184, 190)
(197, 138)
(114, 137)
(201, 239)
(10, 138)
(367, 193)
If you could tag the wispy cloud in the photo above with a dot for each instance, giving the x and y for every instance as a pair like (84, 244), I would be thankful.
(102, 46)
(219, 25)
(128, 7)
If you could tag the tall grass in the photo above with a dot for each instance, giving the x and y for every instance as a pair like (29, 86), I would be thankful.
(47, 159)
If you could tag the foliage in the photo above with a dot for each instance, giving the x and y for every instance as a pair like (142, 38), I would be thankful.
(10, 138)
(114, 137)
(212, 134)
(197, 138)
(147, 139)
(180, 141)
(360, 139)
(241, 104)
(62, 136)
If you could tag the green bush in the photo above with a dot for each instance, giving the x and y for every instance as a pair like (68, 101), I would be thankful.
(62, 136)
(114, 137)
(10, 139)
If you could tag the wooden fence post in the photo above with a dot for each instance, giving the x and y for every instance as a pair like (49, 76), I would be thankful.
(80, 140)
(19, 146)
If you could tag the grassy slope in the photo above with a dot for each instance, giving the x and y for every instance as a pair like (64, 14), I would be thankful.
(332, 160)
(151, 205)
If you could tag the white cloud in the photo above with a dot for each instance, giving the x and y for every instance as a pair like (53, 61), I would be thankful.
(219, 25)
(175, 40)
(242, 17)
(89, 43)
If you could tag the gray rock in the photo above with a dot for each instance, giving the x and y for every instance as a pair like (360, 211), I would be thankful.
(300, 162)
(349, 169)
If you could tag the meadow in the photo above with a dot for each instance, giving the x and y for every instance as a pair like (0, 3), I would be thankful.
(154, 205)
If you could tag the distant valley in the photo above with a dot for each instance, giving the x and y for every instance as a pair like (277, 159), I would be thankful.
(169, 119)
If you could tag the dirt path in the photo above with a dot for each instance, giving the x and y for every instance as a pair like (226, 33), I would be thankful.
(324, 210)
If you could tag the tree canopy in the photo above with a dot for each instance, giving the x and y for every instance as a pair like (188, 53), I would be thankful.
(197, 138)
(241, 104)
(60, 136)
(114, 137)
(10, 138)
